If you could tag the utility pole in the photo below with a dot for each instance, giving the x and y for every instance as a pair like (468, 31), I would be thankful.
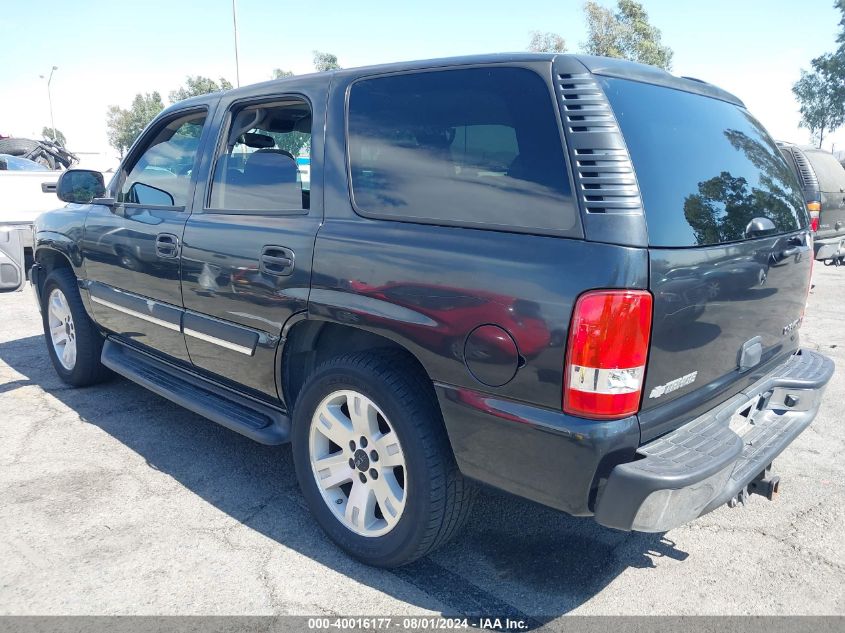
(50, 100)
(237, 63)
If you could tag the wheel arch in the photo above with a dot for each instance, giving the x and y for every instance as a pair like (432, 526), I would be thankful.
(49, 259)
(306, 343)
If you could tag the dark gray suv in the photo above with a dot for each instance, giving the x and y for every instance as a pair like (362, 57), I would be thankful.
(822, 180)
(577, 279)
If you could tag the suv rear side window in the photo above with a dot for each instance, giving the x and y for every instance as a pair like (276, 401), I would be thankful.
(830, 173)
(478, 147)
(705, 167)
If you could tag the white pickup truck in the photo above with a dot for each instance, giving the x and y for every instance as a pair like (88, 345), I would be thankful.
(26, 191)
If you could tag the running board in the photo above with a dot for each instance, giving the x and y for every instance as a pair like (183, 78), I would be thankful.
(257, 421)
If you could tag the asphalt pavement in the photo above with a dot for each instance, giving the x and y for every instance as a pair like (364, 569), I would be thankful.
(115, 501)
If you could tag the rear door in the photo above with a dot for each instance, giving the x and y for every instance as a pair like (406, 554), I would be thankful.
(730, 256)
(248, 245)
(831, 177)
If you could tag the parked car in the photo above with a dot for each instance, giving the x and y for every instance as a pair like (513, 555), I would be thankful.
(45, 152)
(27, 189)
(576, 279)
(822, 180)
(16, 163)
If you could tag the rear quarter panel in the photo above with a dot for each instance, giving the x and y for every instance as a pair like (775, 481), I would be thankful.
(427, 287)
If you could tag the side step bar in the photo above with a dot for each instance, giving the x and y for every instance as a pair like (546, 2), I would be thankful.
(257, 421)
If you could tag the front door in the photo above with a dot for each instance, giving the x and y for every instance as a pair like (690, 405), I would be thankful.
(132, 251)
(246, 259)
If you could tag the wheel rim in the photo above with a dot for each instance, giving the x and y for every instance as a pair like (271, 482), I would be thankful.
(62, 329)
(358, 463)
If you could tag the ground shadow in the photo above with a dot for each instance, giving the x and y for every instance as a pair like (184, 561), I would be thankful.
(511, 547)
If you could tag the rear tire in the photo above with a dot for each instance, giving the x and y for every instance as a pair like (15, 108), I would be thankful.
(73, 340)
(427, 500)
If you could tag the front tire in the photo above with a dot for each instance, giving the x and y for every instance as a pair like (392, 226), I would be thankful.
(373, 459)
(73, 341)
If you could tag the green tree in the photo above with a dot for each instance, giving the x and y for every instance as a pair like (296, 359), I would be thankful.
(725, 204)
(124, 126)
(278, 73)
(198, 85)
(546, 42)
(821, 93)
(56, 135)
(325, 61)
(626, 33)
(117, 124)
(293, 142)
(820, 102)
(840, 39)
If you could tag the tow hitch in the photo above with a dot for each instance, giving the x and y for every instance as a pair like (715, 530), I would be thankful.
(765, 484)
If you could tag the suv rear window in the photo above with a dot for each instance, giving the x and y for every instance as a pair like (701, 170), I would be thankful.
(705, 167)
(830, 173)
(478, 147)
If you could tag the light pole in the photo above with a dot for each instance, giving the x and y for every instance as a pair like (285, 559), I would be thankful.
(237, 64)
(50, 101)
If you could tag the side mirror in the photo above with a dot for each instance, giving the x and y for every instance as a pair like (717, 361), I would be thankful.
(80, 186)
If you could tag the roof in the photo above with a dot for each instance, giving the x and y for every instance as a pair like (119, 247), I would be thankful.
(606, 66)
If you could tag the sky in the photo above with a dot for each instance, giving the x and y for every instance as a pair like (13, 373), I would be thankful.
(108, 50)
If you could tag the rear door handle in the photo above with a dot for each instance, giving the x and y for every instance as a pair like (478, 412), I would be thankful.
(277, 260)
(167, 245)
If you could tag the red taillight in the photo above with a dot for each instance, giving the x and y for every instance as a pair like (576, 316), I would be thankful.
(606, 355)
(814, 209)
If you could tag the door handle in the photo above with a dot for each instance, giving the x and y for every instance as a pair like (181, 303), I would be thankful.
(167, 245)
(277, 260)
(794, 245)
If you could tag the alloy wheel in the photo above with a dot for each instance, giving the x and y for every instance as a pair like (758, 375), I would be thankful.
(62, 329)
(358, 463)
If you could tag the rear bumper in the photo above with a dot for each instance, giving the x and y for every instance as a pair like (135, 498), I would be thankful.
(830, 247)
(706, 463)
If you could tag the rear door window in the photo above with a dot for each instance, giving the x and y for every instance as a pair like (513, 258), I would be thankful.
(478, 147)
(705, 167)
(263, 166)
(828, 170)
